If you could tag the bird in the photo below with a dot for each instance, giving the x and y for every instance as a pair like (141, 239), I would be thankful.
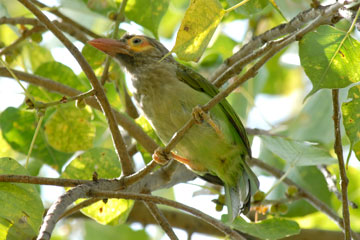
(167, 92)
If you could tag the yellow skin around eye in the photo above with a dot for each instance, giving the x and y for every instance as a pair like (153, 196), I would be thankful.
(143, 46)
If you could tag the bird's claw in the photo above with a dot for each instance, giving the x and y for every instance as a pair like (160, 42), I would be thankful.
(160, 156)
(199, 114)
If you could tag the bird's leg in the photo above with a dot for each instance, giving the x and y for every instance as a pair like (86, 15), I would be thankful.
(200, 116)
(161, 157)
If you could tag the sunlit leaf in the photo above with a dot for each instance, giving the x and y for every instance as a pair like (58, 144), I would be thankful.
(36, 55)
(327, 65)
(18, 128)
(351, 114)
(106, 164)
(21, 207)
(58, 72)
(69, 129)
(297, 153)
(274, 228)
(147, 13)
(199, 24)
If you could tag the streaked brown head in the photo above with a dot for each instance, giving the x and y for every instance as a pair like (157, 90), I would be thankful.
(133, 51)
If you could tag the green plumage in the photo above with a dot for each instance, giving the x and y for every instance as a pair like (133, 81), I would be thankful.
(167, 92)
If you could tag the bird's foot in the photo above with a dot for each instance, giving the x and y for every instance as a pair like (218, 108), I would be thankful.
(200, 116)
(160, 156)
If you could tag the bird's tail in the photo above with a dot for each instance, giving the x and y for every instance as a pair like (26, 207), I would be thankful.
(238, 197)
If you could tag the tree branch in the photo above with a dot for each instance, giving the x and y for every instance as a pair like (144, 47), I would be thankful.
(339, 152)
(66, 19)
(227, 70)
(126, 163)
(159, 200)
(133, 129)
(313, 200)
(277, 46)
(61, 182)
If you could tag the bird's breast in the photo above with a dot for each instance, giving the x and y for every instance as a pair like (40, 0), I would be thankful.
(165, 101)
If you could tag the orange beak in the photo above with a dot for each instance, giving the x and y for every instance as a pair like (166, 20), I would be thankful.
(110, 46)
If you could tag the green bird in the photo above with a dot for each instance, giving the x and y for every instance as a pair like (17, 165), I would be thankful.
(167, 93)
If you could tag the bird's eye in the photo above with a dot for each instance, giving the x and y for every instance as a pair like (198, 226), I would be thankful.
(136, 41)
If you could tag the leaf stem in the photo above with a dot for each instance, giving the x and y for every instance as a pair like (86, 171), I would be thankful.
(41, 118)
(236, 6)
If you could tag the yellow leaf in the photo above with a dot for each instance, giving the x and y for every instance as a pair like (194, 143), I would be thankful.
(199, 24)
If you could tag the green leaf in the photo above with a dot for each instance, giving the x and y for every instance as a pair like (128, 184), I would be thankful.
(69, 129)
(60, 73)
(21, 207)
(327, 61)
(18, 128)
(105, 162)
(306, 177)
(351, 114)
(93, 56)
(250, 8)
(35, 55)
(199, 24)
(314, 119)
(147, 13)
(297, 153)
(94, 231)
(274, 228)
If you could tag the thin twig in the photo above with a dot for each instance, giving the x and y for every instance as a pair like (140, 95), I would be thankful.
(123, 120)
(126, 162)
(160, 218)
(294, 25)
(159, 200)
(313, 200)
(66, 19)
(278, 45)
(331, 182)
(23, 36)
(339, 152)
(79, 206)
(119, 19)
(60, 182)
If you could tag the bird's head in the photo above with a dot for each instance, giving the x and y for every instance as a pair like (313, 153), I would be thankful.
(133, 51)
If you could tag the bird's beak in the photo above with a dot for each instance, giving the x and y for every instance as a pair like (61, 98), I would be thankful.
(110, 46)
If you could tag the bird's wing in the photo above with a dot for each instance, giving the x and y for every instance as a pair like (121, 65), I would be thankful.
(199, 83)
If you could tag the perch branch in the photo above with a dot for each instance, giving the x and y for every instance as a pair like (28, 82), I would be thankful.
(278, 45)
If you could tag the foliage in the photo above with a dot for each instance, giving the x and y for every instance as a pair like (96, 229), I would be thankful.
(74, 140)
